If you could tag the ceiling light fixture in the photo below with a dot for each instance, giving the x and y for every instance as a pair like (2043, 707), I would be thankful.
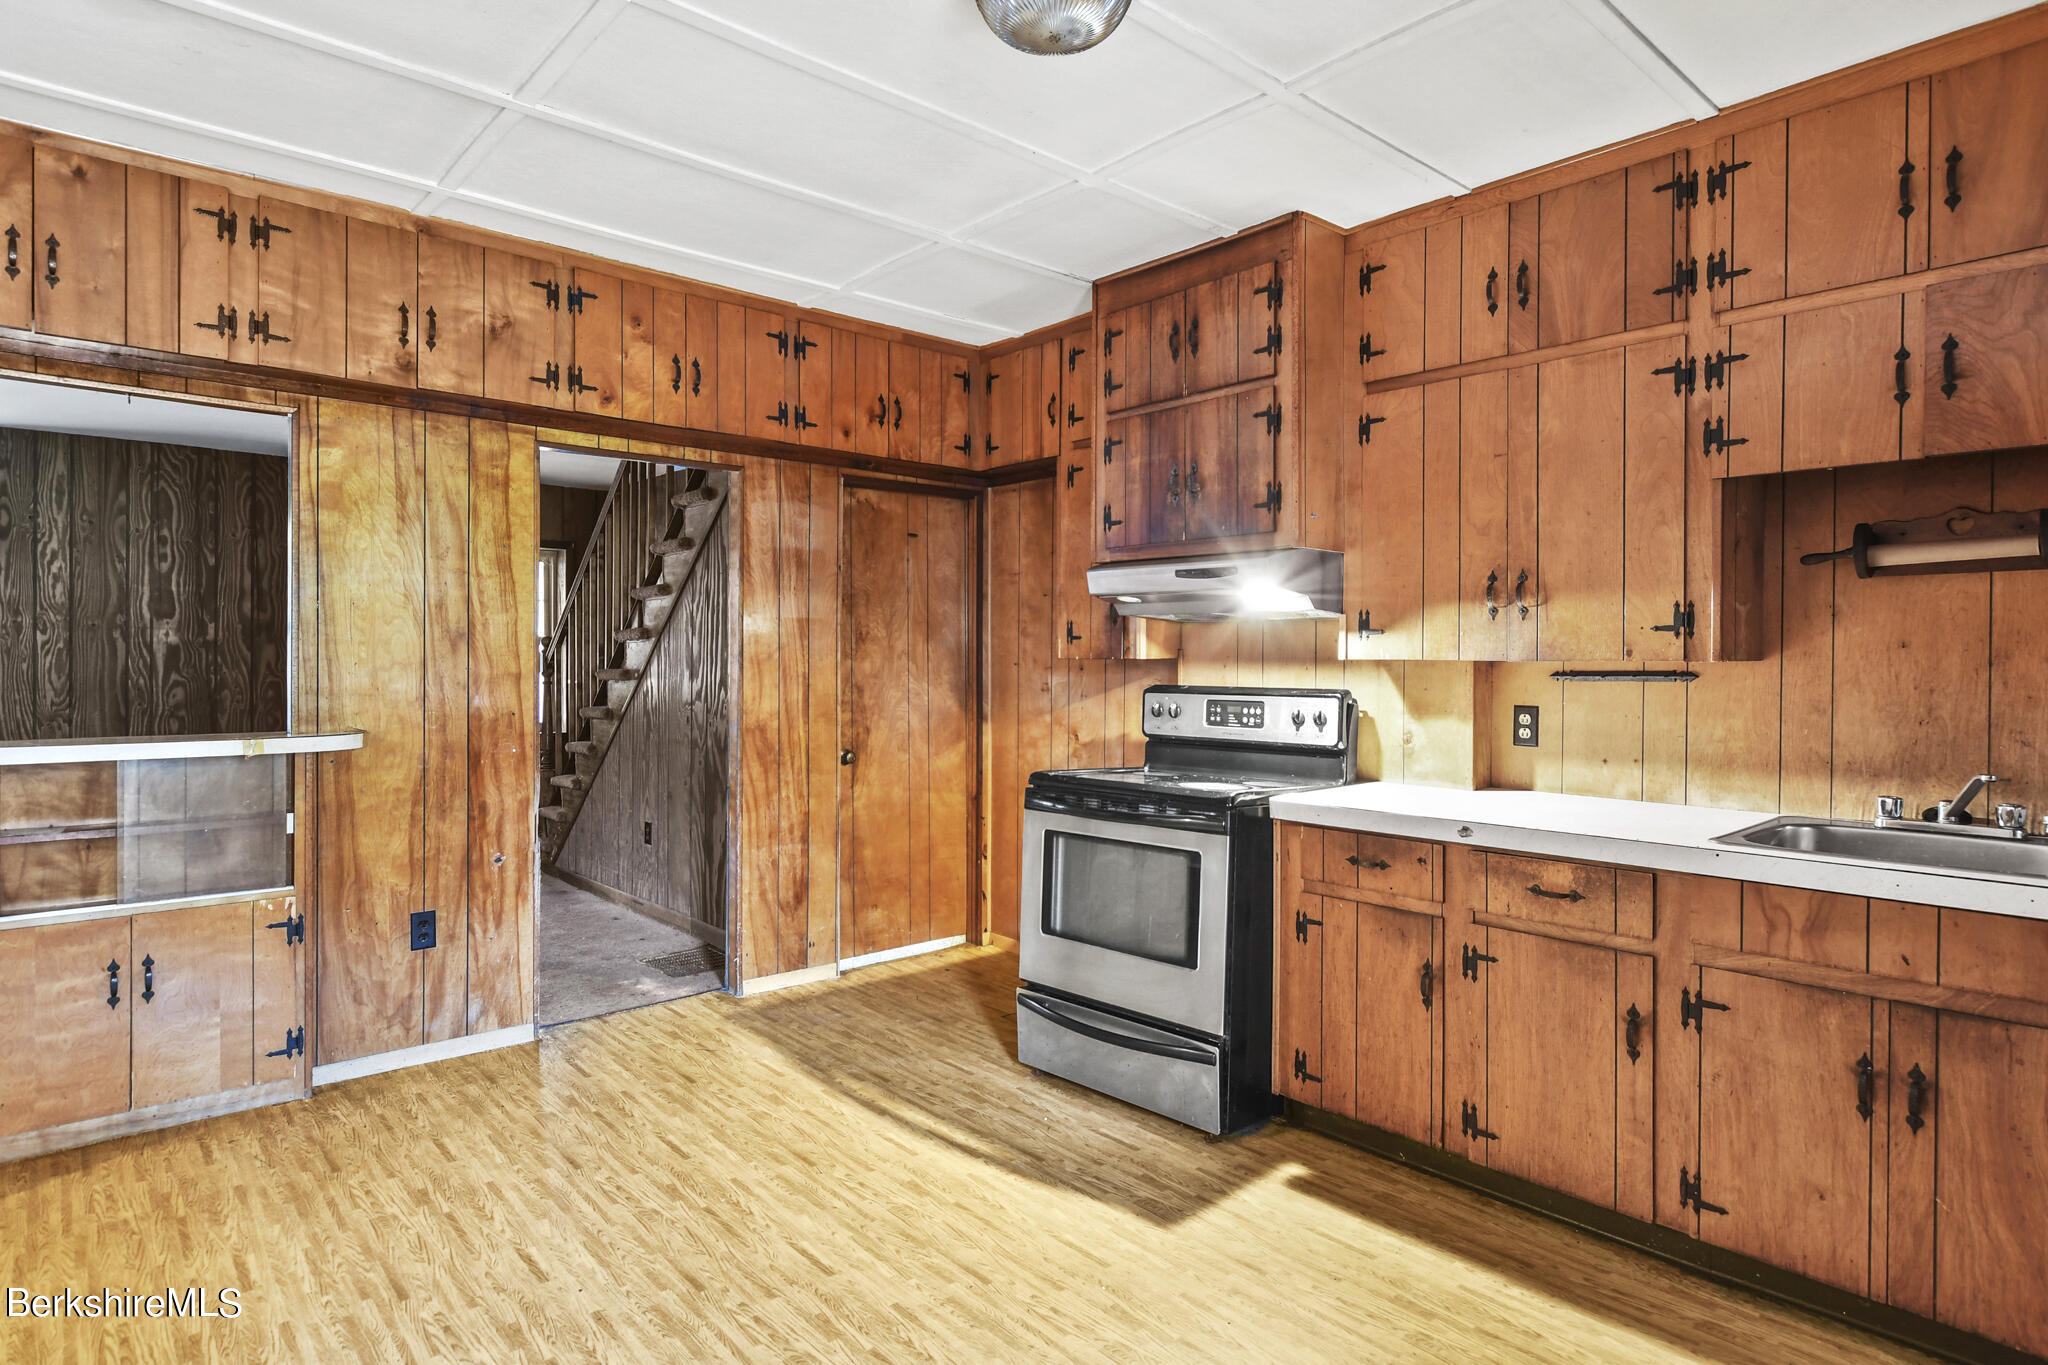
(1051, 28)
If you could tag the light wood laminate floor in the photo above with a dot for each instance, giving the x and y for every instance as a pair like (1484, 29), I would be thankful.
(852, 1171)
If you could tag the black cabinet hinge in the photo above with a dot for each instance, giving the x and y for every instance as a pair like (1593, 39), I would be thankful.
(1072, 470)
(1692, 1010)
(260, 230)
(550, 376)
(966, 381)
(1719, 272)
(1468, 1123)
(223, 224)
(1073, 636)
(1109, 445)
(1365, 274)
(1469, 959)
(1074, 354)
(259, 330)
(1718, 178)
(802, 421)
(1271, 289)
(1366, 629)
(1685, 189)
(1271, 412)
(294, 927)
(1074, 419)
(1272, 500)
(1714, 368)
(1301, 1071)
(576, 384)
(294, 1043)
(1685, 277)
(804, 346)
(1366, 350)
(1272, 346)
(1681, 621)
(577, 295)
(226, 322)
(989, 446)
(1109, 523)
(1301, 924)
(1714, 437)
(1689, 1194)
(1365, 426)
(966, 446)
(1683, 375)
(550, 290)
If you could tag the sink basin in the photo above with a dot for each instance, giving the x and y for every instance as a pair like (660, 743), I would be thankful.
(1964, 855)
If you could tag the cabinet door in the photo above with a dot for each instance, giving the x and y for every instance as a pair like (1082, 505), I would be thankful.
(1990, 1090)
(729, 372)
(1523, 331)
(1984, 363)
(676, 368)
(194, 1002)
(1785, 1130)
(1399, 973)
(1656, 242)
(867, 406)
(703, 392)
(1086, 626)
(451, 316)
(768, 374)
(1077, 387)
(69, 988)
(17, 234)
(1485, 285)
(1141, 477)
(1298, 995)
(1046, 415)
(79, 256)
(636, 322)
(1551, 1025)
(1119, 479)
(906, 375)
(1483, 611)
(817, 352)
(526, 334)
(1988, 125)
(956, 435)
(1393, 285)
(1846, 377)
(1212, 330)
(279, 1008)
(1126, 353)
(1261, 292)
(300, 320)
(216, 272)
(1579, 508)
(597, 329)
(1845, 183)
(1582, 240)
(383, 303)
(1383, 538)
(1167, 317)
(1743, 384)
(1744, 188)
(931, 406)
(1653, 494)
(1218, 488)
(1255, 498)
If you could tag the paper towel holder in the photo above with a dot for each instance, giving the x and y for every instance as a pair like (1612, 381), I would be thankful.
(1960, 540)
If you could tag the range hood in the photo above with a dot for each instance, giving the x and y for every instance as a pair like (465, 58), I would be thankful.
(1265, 585)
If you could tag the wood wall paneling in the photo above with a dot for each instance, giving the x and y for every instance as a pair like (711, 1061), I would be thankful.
(444, 781)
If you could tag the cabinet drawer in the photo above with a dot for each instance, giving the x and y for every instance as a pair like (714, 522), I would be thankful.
(1574, 895)
(1383, 866)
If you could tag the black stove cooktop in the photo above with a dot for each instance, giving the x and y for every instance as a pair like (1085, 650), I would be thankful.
(1183, 784)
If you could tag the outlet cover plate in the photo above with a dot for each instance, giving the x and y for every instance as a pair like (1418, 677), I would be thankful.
(422, 930)
(1526, 727)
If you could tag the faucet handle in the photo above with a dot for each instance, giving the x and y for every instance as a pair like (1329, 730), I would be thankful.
(1891, 807)
(2013, 816)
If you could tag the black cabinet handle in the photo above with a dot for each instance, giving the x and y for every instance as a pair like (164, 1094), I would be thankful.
(1632, 1033)
(1194, 479)
(1906, 169)
(1521, 584)
(13, 251)
(696, 377)
(896, 422)
(1677, 626)
(1052, 410)
(1173, 341)
(1377, 864)
(1428, 975)
(1492, 582)
(1194, 335)
(1173, 485)
(1866, 1087)
(1916, 1098)
(148, 979)
(50, 271)
(1955, 192)
(882, 410)
(1536, 889)
(1492, 284)
(1948, 366)
(433, 329)
(1900, 393)
(675, 383)
(1522, 285)
(404, 326)
(113, 984)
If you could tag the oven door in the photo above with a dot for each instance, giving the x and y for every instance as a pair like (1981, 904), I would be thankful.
(1132, 915)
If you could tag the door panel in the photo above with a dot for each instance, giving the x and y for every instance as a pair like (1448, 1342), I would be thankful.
(1158, 507)
(1582, 235)
(1126, 353)
(931, 406)
(1396, 1059)
(1259, 339)
(82, 203)
(728, 372)
(1842, 371)
(1783, 1148)
(1392, 279)
(1749, 399)
(768, 374)
(672, 359)
(1046, 415)
(1842, 192)
(905, 631)
(1119, 480)
(1984, 363)
(17, 236)
(1991, 117)
(1254, 464)
(1745, 191)
(301, 315)
(216, 272)
(1212, 334)
(1078, 386)
(1085, 626)
(193, 1003)
(525, 333)
(1166, 318)
(451, 316)
(817, 349)
(1653, 492)
(1656, 241)
(956, 431)
(279, 1005)
(1579, 511)
(1551, 1026)
(1383, 537)
(67, 1053)
(1486, 285)
(597, 321)
(1483, 516)
(1211, 492)
(905, 417)
(703, 389)
(383, 303)
(636, 382)
(1522, 286)
(1298, 996)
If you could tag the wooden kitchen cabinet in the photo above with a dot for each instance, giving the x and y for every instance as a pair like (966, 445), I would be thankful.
(1212, 334)
(1124, 346)
(1077, 386)
(1581, 441)
(1086, 626)
(1984, 363)
(1742, 387)
(956, 410)
(216, 273)
(1848, 378)
(299, 320)
(152, 267)
(1661, 272)
(1582, 249)
(1231, 442)
(17, 232)
(194, 1003)
(78, 254)
(1485, 285)
(1393, 960)
(686, 354)
(526, 333)
(384, 320)
(636, 350)
(69, 988)
(906, 392)
(1988, 140)
(1297, 968)
(817, 348)
(1854, 187)
(1657, 618)
(1396, 312)
(1743, 188)
(1384, 538)
(769, 371)
(278, 1006)
(1484, 608)
(595, 307)
(451, 299)
(1523, 243)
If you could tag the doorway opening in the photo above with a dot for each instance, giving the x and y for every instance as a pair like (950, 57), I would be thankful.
(634, 605)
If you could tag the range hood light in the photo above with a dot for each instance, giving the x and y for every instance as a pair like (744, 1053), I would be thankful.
(1128, 598)
(1258, 585)
(1263, 597)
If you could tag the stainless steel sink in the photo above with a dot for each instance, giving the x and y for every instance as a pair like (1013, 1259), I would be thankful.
(1965, 855)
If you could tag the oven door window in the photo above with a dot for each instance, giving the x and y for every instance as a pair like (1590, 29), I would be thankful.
(1128, 898)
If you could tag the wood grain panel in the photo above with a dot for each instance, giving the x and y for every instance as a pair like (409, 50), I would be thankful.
(1483, 495)
(1394, 1020)
(82, 203)
(1910, 1175)
(278, 1004)
(1392, 281)
(1583, 232)
(1842, 366)
(445, 714)
(300, 318)
(17, 230)
(452, 315)
(1550, 1081)
(1992, 114)
(1842, 178)
(1383, 552)
(1486, 284)
(1653, 506)
(193, 1010)
(66, 1056)
(596, 382)
(385, 326)
(1982, 358)
(152, 267)
(525, 332)
(1580, 452)
(1806, 926)
(1440, 548)
(636, 320)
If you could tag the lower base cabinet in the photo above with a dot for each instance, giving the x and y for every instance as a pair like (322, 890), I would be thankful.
(128, 1013)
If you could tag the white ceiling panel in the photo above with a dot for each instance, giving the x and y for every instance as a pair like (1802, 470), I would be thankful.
(184, 66)
(1287, 38)
(1088, 232)
(798, 128)
(1087, 108)
(1246, 168)
(581, 178)
(890, 158)
(1498, 86)
(1717, 44)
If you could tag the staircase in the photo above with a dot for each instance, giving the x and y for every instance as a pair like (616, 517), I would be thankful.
(646, 545)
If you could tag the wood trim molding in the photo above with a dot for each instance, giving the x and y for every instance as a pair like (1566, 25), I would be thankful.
(1957, 998)
(88, 1131)
(332, 1073)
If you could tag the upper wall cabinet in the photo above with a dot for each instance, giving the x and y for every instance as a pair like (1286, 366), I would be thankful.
(451, 315)
(526, 334)
(384, 337)
(1988, 143)
(1217, 332)
(17, 232)
(78, 248)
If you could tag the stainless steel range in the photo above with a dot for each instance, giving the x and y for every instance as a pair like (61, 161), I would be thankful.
(1146, 927)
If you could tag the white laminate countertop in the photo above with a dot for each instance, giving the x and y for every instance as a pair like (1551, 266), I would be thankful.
(1644, 834)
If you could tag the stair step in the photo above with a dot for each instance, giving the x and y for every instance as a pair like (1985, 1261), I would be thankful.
(618, 674)
(652, 592)
(581, 746)
(675, 545)
(692, 498)
(554, 813)
(572, 781)
(632, 633)
(595, 712)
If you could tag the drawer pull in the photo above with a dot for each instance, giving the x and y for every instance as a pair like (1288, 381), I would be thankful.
(1379, 863)
(1916, 1098)
(1428, 983)
(1632, 1033)
(148, 979)
(113, 983)
(433, 330)
(1866, 1087)
(1572, 895)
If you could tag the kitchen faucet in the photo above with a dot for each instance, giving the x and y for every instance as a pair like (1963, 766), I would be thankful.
(2008, 819)
(1957, 812)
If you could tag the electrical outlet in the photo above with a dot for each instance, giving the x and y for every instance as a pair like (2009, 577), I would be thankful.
(422, 929)
(647, 832)
(1525, 727)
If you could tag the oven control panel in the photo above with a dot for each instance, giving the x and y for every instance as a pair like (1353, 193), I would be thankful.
(1248, 716)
